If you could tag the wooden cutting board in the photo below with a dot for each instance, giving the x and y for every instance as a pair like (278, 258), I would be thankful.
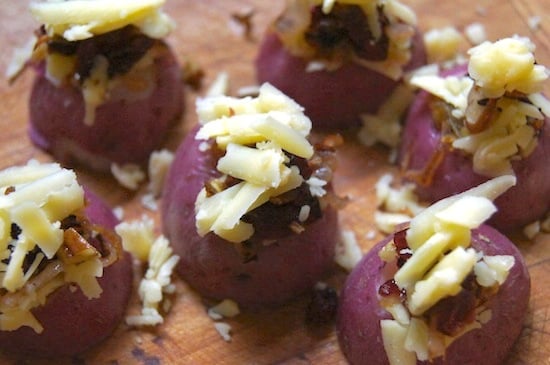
(208, 35)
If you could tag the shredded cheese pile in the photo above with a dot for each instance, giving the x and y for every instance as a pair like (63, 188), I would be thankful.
(36, 198)
(439, 240)
(498, 72)
(255, 134)
(81, 19)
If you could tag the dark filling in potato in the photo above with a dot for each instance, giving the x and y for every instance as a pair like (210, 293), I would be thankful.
(451, 314)
(345, 31)
(122, 48)
(279, 217)
(81, 239)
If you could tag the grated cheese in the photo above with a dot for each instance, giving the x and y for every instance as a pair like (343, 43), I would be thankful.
(79, 19)
(496, 71)
(159, 164)
(347, 251)
(442, 44)
(394, 205)
(224, 330)
(255, 132)
(36, 198)
(226, 308)
(128, 175)
(138, 239)
(441, 258)
(385, 126)
(475, 33)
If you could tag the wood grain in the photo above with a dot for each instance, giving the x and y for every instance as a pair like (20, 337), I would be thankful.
(206, 35)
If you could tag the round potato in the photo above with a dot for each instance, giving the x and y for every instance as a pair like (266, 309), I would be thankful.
(332, 99)
(524, 203)
(283, 264)
(127, 127)
(72, 322)
(359, 313)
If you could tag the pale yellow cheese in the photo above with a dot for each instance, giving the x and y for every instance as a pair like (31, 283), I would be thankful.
(81, 19)
(36, 197)
(255, 133)
(394, 336)
(439, 239)
(454, 90)
(506, 65)
(444, 280)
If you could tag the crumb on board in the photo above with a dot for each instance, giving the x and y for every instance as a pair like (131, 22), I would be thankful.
(128, 175)
(224, 329)
(243, 18)
(347, 252)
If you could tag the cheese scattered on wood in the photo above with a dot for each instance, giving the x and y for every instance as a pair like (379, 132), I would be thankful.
(128, 175)
(347, 251)
(138, 239)
(255, 134)
(475, 33)
(227, 308)
(159, 164)
(224, 330)
(394, 205)
(385, 126)
(442, 44)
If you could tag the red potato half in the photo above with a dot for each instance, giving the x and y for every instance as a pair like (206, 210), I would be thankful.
(215, 268)
(359, 313)
(522, 204)
(72, 322)
(332, 99)
(127, 127)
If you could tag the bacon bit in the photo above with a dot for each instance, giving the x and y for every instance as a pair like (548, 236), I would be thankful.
(248, 251)
(9, 190)
(333, 141)
(483, 120)
(425, 176)
(193, 75)
(75, 248)
(296, 227)
(401, 247)
(231, 112)
(244, 19)
(390, 289)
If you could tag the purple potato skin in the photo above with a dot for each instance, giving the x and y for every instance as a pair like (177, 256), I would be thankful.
(123, 131)
(359, 313)
(332, 99)
(72, 322)
(215, 268)
(522, 204)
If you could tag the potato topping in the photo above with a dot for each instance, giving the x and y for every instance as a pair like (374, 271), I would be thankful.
(505, 66)
(435, 263)
(496, 111)
(82, 19)
(375, 34)
(45, 242)
(257, 135)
